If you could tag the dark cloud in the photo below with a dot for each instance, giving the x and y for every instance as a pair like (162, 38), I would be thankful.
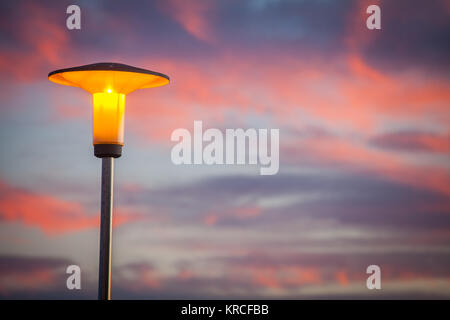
(414, 141)
(350, 198)
(414, 36)
(253, 273)
(29, 264)
(28, 277)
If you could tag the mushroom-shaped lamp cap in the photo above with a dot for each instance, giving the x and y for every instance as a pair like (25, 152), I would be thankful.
(101, 77)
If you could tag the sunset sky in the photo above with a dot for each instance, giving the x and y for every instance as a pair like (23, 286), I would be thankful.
(364, 120)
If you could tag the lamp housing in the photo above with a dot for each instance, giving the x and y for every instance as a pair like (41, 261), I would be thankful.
(108, 83)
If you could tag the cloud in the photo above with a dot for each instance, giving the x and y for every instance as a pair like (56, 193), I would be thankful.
(39, 42)
(414, 141)
(280, 275)
(48, 213)
(355, 156)
(194, 16)
(136, 276)
(30, 274)
(231, 214)
(288, 199)
(414, 41)
(360, 98)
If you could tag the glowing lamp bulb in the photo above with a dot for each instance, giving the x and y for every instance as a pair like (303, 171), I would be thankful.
(109, 104)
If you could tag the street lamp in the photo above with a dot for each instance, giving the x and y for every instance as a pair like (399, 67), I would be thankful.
(108, 83)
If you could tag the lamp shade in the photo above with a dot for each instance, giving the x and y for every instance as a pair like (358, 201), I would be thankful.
(108, 83)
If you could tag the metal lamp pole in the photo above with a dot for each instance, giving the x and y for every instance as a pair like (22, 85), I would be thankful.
(104, 273)
(107, 152)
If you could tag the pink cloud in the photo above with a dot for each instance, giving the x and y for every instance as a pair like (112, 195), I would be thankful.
(282, 277)
(50, 214)
(43, 43)
(356, 156)
(194, 16)
(241, 213)
(210, 219)
(342, 277)
(358, 96)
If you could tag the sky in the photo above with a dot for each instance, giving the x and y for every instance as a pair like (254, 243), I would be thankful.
(364, 174)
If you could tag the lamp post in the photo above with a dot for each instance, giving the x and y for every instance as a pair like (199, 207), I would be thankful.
(108, 83)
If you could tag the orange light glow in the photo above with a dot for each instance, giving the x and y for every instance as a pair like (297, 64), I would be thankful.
(108, 117)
